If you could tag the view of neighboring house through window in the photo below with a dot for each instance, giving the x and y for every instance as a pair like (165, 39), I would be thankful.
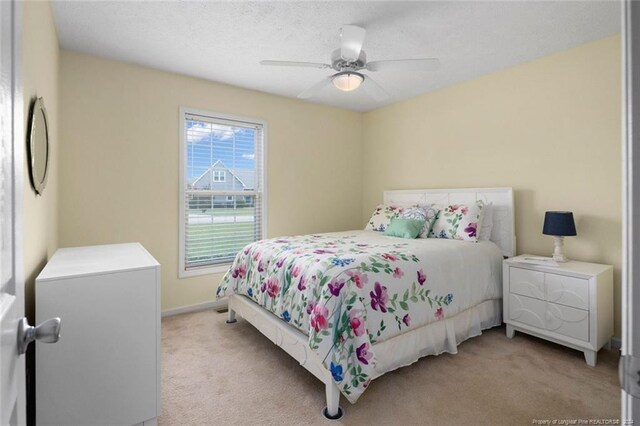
(222, 189)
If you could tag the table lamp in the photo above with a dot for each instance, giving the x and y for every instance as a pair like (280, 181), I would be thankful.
(559, 225)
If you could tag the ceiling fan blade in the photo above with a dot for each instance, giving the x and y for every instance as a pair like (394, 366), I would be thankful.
(352, 38)
(315, 89)
(425, 64)
(295, 64)
(374, 90)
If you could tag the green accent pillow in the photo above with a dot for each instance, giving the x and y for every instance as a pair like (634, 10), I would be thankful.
(404, 228)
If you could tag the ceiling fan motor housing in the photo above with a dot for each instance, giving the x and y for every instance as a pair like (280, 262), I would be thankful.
(339, 64)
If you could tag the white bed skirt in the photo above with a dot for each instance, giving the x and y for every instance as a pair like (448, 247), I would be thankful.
(399, 351)
(436, 338)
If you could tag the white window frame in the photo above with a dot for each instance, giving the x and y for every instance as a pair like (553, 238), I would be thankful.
(214, 269)
(219, 176)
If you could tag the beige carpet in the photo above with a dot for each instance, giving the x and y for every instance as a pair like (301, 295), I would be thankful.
(214, 373)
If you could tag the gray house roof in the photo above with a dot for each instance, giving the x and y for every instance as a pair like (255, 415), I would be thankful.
(242, 179)
(246, 176)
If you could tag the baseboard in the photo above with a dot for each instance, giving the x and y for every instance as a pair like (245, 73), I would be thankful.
(217, 305)
(616, 343)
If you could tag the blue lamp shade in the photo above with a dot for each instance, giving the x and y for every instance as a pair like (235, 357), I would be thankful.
(560, 224)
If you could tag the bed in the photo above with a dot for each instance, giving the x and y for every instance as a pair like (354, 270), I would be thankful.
(351, 306)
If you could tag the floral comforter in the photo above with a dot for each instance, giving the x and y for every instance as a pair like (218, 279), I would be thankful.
(349, 290)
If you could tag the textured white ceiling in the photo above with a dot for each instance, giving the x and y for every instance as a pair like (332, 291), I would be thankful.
(223, 41)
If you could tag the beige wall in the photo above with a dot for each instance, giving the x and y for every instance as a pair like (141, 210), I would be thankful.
(550, 128)
(40, 63)
(119, 163)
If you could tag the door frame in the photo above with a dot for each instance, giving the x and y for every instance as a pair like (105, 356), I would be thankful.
(13, 115)
(631, 197)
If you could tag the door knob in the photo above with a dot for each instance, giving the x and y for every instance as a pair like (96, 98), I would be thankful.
(46, 332)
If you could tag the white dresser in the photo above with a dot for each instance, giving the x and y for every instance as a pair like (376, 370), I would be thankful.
(105, 369)
(571, 304)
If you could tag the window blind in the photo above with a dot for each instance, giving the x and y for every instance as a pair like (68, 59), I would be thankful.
(223, 188)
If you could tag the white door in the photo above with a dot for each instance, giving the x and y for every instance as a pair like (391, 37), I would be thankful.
(630, 359)
(12, 373)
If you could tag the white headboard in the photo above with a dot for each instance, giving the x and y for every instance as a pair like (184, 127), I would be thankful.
(503, 232)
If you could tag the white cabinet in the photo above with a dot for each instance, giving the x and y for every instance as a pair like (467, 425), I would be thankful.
(105, 369)
(571, 304)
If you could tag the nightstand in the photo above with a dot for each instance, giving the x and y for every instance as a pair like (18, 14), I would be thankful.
(571, 304)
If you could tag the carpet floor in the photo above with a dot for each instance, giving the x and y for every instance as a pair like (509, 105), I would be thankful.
(229, 374)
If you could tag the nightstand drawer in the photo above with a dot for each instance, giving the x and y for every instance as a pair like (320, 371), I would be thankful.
(568, 321)
(552, 317)
(527, 311)
(526, 282)
(568, 291)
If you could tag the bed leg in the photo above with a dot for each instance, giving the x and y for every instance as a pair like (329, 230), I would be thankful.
(231, 316)
(332, 411)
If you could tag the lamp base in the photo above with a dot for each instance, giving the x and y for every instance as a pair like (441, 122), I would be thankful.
(558, 250)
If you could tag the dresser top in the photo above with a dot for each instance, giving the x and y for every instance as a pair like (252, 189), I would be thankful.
(572, 266)
(92, 260)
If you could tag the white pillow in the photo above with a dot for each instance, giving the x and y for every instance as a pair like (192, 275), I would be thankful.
(458, 222)
(486, 220)
(381, 217)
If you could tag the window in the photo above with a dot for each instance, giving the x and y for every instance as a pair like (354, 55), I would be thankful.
(219, 176)
(222, 189)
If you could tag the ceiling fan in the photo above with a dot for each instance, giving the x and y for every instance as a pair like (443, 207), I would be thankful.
(349, 60)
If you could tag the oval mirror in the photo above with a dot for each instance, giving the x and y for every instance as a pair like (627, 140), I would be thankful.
(38, 145)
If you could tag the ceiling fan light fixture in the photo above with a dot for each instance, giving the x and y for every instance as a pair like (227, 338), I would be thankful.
(347, 80)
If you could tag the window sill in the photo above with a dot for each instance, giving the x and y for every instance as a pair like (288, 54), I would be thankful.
(204, 270)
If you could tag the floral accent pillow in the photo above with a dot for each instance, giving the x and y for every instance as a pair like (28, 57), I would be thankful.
(458, 222)
(427, 213)
(381, 217)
